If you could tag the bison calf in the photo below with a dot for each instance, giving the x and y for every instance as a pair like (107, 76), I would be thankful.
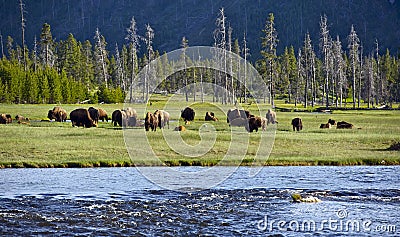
(297, 124)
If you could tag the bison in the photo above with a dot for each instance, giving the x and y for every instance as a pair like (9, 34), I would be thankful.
(163, 118)
(129, 117)
(150, 122)
(255, 122)
(210, 116)
(21, 118)
(116, 117)
(188, 115)
(180, 128)
(238, 117)
(332, 122)
(271, 117)
(5, 118)
(297, 124)
(94, 114)
(325, 125)
(58, 114)
(344, 125)
(103, 115)
(81, 117)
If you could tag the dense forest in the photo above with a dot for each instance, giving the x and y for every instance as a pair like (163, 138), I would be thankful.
(325, 68)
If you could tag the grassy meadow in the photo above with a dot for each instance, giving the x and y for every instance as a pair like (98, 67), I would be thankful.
(51, 144)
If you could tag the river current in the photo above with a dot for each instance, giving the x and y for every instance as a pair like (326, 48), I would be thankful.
(355, 201)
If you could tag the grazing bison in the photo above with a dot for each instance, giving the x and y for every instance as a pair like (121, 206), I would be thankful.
(81, 117)
(116, 117)
(129, 117)
(255, 122)
(5, 118)
(103, 115)
(210, 116)
(58, 114)
(325, 125)
(238, 117)
(188, 115)
(332, 122)
(344, 125)
(297, 124)
(163, 118)
(94, 114)
(150, 122)
(180, 128)
(271, 117)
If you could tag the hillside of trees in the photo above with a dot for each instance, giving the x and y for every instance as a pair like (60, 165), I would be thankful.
(320, 52)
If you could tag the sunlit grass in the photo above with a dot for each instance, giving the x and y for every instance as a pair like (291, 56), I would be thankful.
(51, 144)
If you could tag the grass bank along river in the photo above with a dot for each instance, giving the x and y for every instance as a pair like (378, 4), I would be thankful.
(52, 144)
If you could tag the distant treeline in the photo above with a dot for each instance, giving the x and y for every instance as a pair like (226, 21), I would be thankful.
(70, 71)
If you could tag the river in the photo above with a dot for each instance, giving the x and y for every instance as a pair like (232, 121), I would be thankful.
(355, 201)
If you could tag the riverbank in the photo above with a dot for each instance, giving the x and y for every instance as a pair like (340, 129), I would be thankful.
(40, 144)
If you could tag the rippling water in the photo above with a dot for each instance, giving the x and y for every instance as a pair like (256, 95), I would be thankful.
(356, 201)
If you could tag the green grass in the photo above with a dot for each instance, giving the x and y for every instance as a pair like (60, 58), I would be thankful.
(51, 144)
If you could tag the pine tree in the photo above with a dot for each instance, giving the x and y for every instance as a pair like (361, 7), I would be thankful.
(353, 46)
(339, 67)
(46, 43)
(100, 56)
(149, 36)
(23, 20)
(326, 49)
(308, 67)
(184, 46)
(268, 52)
(220, 40)
(133, 41)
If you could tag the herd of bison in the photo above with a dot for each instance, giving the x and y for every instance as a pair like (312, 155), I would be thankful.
(160, 118)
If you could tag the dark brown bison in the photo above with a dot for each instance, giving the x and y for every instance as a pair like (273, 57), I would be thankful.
(116, 117)
(150, 122)
(344, 125)
(255, 122)
(210, 116)
(325, 125)
(94, 114)
(238, 117)
(271, 117)
(297, 124)
(58, 114)
(188, 115)
(103, 115)
(81, 117)
(332, 122)
(5, 118)
(180, 128)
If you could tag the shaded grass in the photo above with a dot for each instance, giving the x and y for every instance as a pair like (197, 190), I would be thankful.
(51, 144)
